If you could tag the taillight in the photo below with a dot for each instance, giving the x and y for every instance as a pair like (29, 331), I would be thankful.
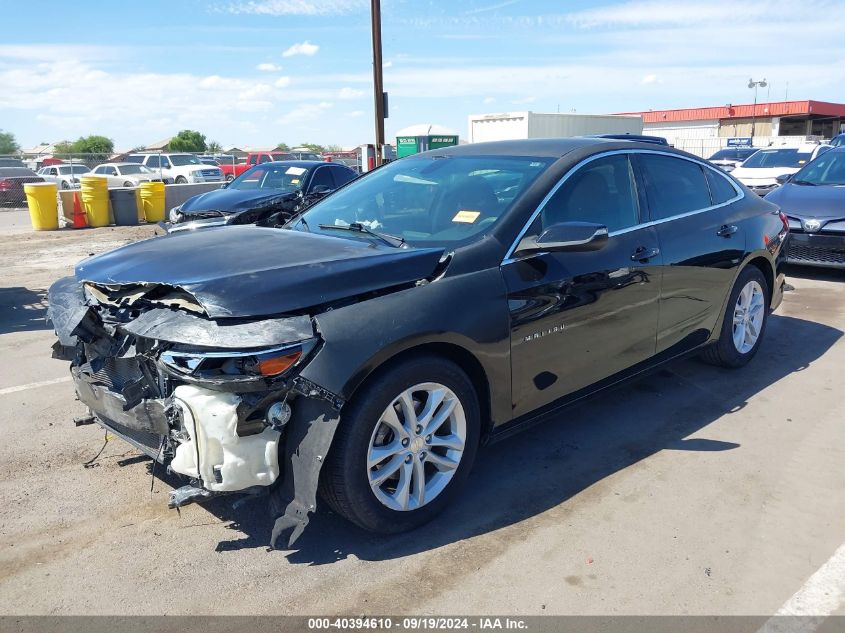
(5, 185)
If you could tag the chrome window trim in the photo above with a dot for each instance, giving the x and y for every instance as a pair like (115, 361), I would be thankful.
(740, 194)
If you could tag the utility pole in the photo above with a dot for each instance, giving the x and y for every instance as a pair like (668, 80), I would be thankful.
(378, 84)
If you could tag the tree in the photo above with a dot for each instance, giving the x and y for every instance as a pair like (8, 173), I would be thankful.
(8, 144)
(188, 141)
(334, 148)
(100, 145)
(317, 149)
(213, 147)
(283, 147)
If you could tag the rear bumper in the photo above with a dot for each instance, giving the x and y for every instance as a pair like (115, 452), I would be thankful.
(816, 250)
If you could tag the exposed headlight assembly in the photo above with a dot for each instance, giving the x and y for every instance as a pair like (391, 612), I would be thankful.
(236, 366)
(175, 214)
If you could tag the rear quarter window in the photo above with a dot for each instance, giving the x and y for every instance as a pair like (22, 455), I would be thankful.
(720, 189)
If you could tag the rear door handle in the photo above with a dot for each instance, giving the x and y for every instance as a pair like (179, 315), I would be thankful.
(643, 254)
(726, 230)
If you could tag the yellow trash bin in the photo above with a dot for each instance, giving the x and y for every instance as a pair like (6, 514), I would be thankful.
(152, 200)
(95, 200)
(43, 207)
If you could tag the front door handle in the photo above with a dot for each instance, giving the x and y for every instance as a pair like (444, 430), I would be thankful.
(726, 230)
(643, 254)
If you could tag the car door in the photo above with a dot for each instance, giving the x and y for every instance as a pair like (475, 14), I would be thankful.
(702, 242)
(580, 317)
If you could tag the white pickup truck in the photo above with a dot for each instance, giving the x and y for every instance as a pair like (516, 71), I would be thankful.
(182, 168)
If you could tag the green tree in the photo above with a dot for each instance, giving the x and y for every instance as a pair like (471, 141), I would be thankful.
(188, 141)
(213, 147)
(8, 144)
(63, 149)
(100, 146)
(334, 148)
(283, 147)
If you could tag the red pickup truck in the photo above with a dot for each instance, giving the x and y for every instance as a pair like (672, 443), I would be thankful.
(232, 171)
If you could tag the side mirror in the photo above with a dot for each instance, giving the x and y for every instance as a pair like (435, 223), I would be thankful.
(566, 236)
(321, 189)
(783, 179)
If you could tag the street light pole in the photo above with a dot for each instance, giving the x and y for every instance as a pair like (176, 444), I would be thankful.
(755, 85)
(378, 84)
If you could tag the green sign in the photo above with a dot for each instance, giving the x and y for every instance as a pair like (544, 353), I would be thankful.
(435, 142)
(406, 146)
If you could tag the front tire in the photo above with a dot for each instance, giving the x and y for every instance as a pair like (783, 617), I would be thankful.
(404, 447)
(744, 322)
(230, 178)
(181, 180)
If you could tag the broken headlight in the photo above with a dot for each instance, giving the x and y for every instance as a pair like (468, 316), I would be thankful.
(218, 364)
(175, 214)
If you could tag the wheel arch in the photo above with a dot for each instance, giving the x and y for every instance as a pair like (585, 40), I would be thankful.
(452, 351)
(766, 268)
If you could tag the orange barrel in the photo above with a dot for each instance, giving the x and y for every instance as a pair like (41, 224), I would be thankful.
(95, 200)
(152, 201)
(43, 207)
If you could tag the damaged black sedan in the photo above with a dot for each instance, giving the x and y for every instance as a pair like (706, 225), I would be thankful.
(267, 194)
(368, 347)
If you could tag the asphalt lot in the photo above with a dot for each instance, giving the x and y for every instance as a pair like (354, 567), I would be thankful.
(696, 490)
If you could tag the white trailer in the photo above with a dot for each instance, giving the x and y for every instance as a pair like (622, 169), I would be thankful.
(519, 125)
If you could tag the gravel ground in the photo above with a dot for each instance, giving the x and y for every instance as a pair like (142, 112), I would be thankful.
(693, 491)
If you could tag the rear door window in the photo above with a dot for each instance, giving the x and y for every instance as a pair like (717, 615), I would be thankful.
(153, 161)
(674, 185)
(342, 175)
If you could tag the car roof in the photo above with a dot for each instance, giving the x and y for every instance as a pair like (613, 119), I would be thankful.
(546, 147)
(300, 163)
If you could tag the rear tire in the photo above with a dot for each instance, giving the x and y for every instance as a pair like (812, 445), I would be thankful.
(230, 178)
(428, 462)
(744, 322)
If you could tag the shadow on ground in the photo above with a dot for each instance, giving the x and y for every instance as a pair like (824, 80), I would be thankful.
(528, 474)
(815, 273)
(22, 310)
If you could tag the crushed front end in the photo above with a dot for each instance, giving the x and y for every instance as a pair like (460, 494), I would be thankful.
(219, 402)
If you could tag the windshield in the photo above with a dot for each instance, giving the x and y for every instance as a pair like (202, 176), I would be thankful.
(778, 158)
(134, 169)
(271, 176)
(827, 169)
(428, 200)
(184, 159)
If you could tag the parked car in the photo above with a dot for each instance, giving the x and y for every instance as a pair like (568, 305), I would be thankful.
(208, 160)
(730, 158)
(439, 302)
(838, 140)
(269, 193)
(814, 201)
(182, 168)
(232, 171)
(304, 153)
(65, 176)
(11, 162)
(759, 172)
(12, 180)
(128, 174)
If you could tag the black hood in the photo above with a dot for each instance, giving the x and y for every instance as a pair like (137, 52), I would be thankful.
(808, 201)
(250, 271)
(235, 200)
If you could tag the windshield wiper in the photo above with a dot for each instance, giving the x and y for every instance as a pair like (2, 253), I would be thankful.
(803, 182)
(357, 227)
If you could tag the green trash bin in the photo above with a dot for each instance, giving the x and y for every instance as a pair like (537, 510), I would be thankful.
(124, 205)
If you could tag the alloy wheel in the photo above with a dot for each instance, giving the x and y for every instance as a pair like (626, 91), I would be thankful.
(748, 317)
(416, 446)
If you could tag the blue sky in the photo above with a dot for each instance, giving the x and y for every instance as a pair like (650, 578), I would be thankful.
(257, 72)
